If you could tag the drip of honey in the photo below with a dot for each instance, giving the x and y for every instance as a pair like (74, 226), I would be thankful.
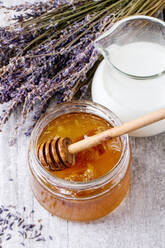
(92, 163)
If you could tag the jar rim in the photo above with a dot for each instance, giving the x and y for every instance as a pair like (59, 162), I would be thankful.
(56, 181)
(115, 26)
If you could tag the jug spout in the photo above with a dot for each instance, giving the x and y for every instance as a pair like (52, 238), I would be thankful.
(102, 43)
(112, 38)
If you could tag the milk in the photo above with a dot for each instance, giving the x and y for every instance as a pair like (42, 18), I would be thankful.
(138, 58)
(130, 97)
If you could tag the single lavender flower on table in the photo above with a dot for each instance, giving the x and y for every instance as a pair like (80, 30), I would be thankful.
(18, 224)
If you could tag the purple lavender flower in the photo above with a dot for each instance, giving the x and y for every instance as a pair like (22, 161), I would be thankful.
(33, 71)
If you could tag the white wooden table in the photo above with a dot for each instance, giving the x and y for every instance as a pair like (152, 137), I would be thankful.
(139, 222)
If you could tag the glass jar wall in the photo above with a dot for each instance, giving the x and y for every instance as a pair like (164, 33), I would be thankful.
(79, 201)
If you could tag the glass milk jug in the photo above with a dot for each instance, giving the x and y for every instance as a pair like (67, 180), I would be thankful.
(130, 81)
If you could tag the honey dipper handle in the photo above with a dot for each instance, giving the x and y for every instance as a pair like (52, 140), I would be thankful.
(127, 127)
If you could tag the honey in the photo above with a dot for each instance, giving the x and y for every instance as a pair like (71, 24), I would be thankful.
(92, 163)
(100, 178)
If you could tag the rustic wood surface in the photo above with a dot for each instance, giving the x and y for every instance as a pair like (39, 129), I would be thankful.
(139, 222)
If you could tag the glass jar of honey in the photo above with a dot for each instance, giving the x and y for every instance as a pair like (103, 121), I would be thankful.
(100, 178)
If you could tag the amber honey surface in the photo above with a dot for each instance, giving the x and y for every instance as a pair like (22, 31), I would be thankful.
(92, 163)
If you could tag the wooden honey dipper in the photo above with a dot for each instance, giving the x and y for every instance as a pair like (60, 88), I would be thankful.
(59, 153)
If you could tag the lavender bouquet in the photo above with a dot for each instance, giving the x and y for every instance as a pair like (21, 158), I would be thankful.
(49, 51)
